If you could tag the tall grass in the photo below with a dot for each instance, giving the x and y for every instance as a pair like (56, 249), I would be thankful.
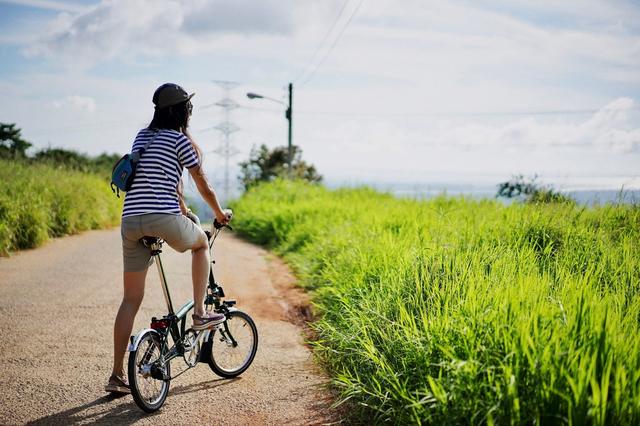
(38, 202)
(455, 311)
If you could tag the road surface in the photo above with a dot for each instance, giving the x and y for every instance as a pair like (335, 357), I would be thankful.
(58, 303)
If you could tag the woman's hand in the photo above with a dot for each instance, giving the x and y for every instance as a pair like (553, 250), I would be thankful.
(224, 216)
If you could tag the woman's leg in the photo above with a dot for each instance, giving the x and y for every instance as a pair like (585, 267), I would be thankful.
(200, 264)
(133, 294)
(183, 234)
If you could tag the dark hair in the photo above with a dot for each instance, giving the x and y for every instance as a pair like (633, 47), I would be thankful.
(175, 117)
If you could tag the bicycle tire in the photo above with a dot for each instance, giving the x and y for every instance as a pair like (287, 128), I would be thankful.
(225, 359)
(148, 393)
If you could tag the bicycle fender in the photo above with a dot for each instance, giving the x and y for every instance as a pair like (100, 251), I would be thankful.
(135, 340)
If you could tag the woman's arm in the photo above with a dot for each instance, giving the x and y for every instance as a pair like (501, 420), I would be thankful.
(207, 192)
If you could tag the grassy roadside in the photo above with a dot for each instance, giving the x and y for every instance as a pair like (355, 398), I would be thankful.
(454, 311)
(38, 202)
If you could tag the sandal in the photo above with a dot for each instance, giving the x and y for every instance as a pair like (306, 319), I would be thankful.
(202, 323)
(117, 385)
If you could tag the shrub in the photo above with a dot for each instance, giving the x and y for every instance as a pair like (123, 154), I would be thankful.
(530, 191)
(38, 201)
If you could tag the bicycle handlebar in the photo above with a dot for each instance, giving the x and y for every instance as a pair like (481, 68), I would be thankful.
(211, 236)
(218, 225)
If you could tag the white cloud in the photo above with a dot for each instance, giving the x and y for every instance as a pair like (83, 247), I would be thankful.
(49, 4)
(449, 41)
(608, 129)
(435, 57)
(164, 28)
(397, 149)
(80, 103)
(433, 39)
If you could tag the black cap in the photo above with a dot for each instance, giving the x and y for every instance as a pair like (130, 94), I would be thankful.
(170, 94)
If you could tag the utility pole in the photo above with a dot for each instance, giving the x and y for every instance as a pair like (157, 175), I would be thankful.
(289, 115)
(226, 128)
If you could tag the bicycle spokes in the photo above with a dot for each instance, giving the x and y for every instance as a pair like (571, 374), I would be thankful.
(234, 346)
(148, 373)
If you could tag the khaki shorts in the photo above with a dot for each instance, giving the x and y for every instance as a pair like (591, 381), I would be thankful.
(176, 230)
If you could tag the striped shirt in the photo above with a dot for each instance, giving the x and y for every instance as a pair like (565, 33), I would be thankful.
(158, 172)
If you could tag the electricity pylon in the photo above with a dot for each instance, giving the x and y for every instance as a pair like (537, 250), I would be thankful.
(226, 128)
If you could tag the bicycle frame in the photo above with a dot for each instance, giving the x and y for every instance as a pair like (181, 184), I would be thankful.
(175, 322)
(151, 351)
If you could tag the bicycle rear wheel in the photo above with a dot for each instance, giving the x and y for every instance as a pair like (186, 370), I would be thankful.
(230, 349)
(146, 372)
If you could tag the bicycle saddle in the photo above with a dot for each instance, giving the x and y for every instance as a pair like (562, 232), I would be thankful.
(148, 241)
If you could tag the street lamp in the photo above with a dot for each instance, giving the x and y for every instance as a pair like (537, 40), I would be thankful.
(289, 116)
(255, 96)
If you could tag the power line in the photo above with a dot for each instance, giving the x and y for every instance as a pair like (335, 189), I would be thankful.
(322, 43)
(335, 42)
(408, 114)
(111, 124)
(470, 114)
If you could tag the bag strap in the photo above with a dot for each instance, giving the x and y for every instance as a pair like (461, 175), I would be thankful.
(114, 189)
(141, 151)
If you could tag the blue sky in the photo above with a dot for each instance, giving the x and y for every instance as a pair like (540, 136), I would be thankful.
(414, 90)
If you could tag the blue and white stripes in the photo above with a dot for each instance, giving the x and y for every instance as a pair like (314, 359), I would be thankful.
(158, 173)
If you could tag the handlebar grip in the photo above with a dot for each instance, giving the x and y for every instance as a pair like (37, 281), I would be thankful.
(218, 225)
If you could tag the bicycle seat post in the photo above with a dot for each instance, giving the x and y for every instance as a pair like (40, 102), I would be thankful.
(155, 245)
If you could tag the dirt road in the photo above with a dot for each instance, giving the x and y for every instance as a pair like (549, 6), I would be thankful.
(58, 304)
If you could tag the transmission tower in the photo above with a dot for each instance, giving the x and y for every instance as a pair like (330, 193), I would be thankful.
(226, 129)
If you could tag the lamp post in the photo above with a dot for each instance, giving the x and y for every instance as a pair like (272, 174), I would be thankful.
(289, 116)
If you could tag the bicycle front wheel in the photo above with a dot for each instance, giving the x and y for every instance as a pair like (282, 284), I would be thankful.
(232, 347)
(147, 373)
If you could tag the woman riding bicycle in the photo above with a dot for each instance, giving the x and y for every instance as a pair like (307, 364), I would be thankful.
(154, 207)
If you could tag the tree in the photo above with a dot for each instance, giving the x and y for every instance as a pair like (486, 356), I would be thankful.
(105, 161)
(11, 143)
(531, 191)
(70, 159)
(63, 157)
(264, 165)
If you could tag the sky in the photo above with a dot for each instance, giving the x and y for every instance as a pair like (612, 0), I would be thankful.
(384, 91)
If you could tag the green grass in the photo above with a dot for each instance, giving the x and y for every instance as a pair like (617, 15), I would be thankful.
(455, 311)
(38, 202)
